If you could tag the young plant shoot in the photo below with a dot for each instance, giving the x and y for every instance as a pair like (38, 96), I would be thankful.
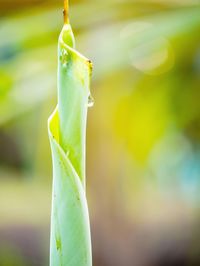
(70, 243)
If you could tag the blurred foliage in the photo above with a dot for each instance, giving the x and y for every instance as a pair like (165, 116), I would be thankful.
(143, 157)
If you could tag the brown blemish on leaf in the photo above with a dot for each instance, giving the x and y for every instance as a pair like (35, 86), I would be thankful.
(90, 64)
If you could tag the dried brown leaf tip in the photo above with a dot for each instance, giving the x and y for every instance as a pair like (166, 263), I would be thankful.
(66, 12)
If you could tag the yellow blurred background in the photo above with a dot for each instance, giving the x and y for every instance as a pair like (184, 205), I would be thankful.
(143, 138)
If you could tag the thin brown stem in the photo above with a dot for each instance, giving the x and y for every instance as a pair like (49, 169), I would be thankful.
(66, 12)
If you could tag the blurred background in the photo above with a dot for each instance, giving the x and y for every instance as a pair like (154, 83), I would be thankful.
(143, 138)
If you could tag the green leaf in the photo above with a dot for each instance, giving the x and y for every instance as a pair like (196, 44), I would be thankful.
(70, 230)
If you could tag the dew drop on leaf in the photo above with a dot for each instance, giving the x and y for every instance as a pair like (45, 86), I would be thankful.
(90, 101)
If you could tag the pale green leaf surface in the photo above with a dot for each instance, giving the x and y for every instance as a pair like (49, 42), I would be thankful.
(70, 230)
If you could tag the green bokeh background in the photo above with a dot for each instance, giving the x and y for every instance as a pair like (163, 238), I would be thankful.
(143, 138)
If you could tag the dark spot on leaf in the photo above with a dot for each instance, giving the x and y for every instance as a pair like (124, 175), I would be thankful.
(58, 243)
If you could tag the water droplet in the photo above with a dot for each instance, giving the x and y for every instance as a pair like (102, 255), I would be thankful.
(64, 57)
(90, 101)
